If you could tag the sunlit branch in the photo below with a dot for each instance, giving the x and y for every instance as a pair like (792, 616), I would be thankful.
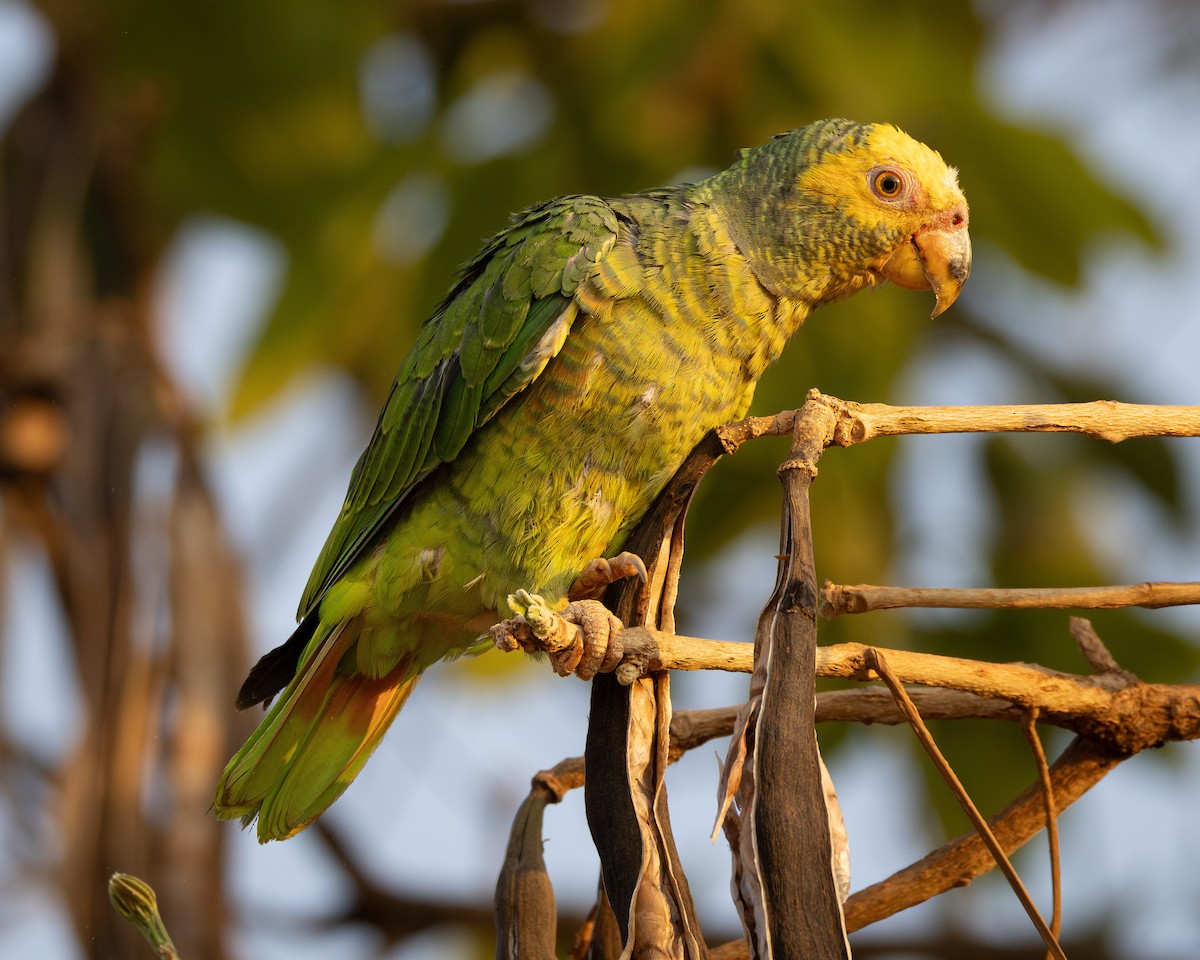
(841, 598)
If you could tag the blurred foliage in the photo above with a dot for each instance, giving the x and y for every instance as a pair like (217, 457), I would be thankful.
(381, 142)
(262, 118)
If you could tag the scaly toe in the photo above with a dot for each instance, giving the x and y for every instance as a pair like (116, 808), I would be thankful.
(600, 633)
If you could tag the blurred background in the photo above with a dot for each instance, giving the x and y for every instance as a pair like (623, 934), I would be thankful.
(221, 225)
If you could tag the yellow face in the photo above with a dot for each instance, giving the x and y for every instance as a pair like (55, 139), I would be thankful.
(890, 176)
(894, 187)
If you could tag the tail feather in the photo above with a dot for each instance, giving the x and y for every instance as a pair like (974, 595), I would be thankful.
(314, 740)
(359, 710)
(254, 768)
(275, 670)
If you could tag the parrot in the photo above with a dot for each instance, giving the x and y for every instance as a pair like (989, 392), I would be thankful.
(577, 359)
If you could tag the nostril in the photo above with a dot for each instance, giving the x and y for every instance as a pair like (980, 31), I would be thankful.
(957, 220)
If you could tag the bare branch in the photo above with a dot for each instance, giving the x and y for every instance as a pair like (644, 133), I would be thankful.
(840, 598)
(1114, 714)
(879, 664)
(1029, 729)
(1083, 764)
(1105, 706)
(1101, 419)
(694, 728)
(1098, 656)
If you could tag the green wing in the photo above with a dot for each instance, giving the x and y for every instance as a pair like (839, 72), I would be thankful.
(508, 313)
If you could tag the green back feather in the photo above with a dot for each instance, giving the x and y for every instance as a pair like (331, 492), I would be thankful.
(506, 316)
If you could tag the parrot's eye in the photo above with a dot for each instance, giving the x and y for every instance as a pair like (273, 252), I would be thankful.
(887, 184)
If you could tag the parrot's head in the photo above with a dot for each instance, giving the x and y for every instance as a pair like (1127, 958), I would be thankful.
(836, 206)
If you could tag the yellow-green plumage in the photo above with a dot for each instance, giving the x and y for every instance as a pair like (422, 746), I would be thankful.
(577, 360)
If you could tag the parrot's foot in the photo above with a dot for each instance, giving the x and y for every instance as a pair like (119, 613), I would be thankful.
(583, 639)
(598, 574)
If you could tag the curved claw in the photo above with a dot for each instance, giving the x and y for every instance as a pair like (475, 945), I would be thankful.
(598, 574)
(626, 564)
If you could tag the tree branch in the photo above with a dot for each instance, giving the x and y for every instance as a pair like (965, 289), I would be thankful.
(1100, 419)
(840, 598)
(1109, 706)
(1113, 714)
(879, 663)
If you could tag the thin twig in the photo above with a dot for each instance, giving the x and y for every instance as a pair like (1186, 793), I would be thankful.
(1094, 651)
(1029, 728)
(1080, 767)
(841, 598)
(858, 422)
(692, 728)
(878, 663)
(1101, 419)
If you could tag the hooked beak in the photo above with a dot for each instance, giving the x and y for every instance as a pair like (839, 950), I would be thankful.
(935, 258)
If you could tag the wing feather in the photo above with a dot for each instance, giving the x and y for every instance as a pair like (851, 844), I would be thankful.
(507, 315)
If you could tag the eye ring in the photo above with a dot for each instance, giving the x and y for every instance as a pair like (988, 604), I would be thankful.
(888, 183)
